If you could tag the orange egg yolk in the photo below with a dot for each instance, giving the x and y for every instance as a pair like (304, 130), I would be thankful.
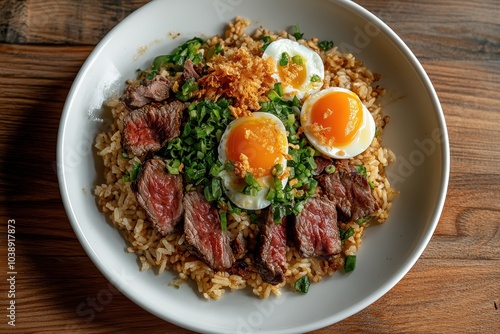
(258, 142)
(339, 114)
(293, 74)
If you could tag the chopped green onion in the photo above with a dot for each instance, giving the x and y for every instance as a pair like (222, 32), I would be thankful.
(213, 51)
(297, 59)
(302, 284)
(266, 40)
(132, 175)
(216, 169)
(279, 211)
(325, 45)
(284, 59)
(330, 169)
(273, 95)
(363, 220)
(176, 60)
(187, 89)
(252, 186)
(213, 191)
(361, 169)
(278, 88)
(315, 78)
(229, 166)
(350, 263)
(173, 167)
(277, 169)
(223, 220)
(346, 234)
(296, 32)
(271, 194)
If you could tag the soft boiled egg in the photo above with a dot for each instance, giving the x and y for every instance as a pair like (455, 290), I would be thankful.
(298, 68)
(253, 144)
(336, 123)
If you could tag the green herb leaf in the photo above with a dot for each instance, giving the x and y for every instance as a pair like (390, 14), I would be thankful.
(302, 284)
(252, 186)
(363, 220)
(346, 234)
(197, 146)
(266, 40)
(325, 45)
(315, 78)
(223, 220)
(296, 32)
(175, 61)
(187, 89)
(213, 191)
(350, 263)
(330, 169)
(284, 59)
(173, 166)
(361, 169)
(297, 59)
(132, 175)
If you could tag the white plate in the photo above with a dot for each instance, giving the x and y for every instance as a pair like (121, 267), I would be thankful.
(417, 134)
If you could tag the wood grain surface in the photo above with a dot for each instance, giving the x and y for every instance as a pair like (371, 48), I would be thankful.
(453, 288)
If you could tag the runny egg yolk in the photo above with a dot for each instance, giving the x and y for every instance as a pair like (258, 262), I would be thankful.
(294, 73)
(339, 114)
(257, 142)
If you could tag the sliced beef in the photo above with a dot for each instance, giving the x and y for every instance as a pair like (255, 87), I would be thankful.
(145, 130)
(322, 163)
(160, 194)
(315, 229)
(239, 246)
(204, 232)
(155, 90)
(270, 253)
(350, 191)
(242, 268)
(190, 71)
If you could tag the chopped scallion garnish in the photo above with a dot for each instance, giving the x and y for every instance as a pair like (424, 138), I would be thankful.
(350, 263)
(302, 284)
(284, 59)
(330, 169)
(363, 220)
(132, 175)
(297, 59)
(223, 220)
(325, 45)
(296, 32)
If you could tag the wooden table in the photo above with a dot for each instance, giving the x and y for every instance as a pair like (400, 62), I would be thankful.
(455, 285)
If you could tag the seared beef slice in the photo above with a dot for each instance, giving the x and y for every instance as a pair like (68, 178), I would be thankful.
(147, 91)
(145, 130)
(160, 194)
(190, 71)
(315, 230)
(351, 193)
(204, 232)
(270, 255)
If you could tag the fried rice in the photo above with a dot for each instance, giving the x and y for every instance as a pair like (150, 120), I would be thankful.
(116, 199)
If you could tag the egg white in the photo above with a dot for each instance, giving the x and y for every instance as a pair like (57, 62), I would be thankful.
(360, 143)
(232, 184)
(312, 61)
